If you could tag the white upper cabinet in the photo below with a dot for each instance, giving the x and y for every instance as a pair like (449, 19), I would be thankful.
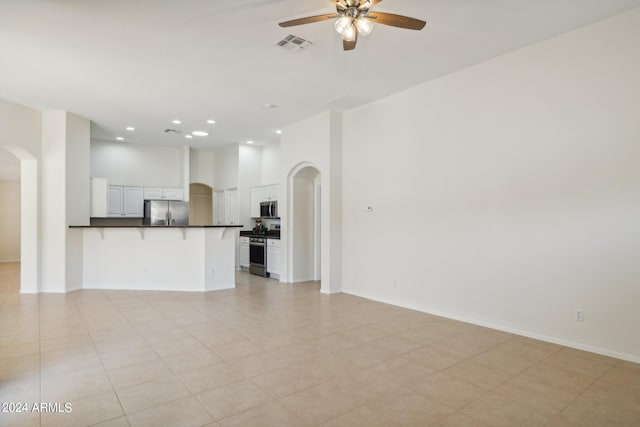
(124, 201)
(173, 194)
(133, 202)
(114, 200)
(263, 193)
(158, 193)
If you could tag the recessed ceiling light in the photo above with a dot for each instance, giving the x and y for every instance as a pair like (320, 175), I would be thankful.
(130, 128)
(211, 122)
(278, 131)
(188, 136)
(176, 122)
(119, 138)
(199, 133)
(249, 142)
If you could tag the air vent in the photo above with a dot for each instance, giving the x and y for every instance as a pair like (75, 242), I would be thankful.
(176, 131)
(294, 43)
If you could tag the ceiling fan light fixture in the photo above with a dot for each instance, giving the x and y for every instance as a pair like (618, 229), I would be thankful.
(343, 24)
(364, 26)
(350, 34)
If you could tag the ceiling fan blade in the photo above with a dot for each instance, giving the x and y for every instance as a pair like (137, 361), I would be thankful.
(396, 20)
(308, 20)
(350, 45)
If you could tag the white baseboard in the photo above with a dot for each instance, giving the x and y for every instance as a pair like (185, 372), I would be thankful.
(528, 334)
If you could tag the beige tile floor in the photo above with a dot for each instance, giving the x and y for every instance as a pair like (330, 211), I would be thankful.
(270, 354)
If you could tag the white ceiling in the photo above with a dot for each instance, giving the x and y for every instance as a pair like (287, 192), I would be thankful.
(145, 62)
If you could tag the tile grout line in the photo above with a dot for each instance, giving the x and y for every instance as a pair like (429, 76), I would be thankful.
(102, 361)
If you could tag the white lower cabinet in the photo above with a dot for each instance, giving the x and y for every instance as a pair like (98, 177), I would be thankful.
(273, 257)
(244, 252)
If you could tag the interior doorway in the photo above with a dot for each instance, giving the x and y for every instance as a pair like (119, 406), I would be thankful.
(9, 207)
(305, 241)
(200, 204)
(27, 201)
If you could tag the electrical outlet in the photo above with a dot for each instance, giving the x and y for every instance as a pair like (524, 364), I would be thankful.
(579, 315)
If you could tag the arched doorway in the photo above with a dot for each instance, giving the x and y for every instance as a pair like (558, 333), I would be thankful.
(200, 204)
(304, 237)
(28, 218)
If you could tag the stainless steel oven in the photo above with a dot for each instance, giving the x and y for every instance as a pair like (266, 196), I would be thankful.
(258, 256)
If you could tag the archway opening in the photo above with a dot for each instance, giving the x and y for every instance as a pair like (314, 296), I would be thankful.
(26, 207)
(200, 204)
(305, 264)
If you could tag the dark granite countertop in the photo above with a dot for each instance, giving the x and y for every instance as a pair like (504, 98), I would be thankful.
(155, 226)
(249, 233)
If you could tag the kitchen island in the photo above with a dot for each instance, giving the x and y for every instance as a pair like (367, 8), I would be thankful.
(156, 258)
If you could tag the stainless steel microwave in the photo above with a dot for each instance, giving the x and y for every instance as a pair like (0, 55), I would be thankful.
(269, 210)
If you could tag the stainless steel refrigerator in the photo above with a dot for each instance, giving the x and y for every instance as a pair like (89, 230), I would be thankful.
(166, 213)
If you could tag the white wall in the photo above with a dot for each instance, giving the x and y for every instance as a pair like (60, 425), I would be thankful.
(226, 167)
(316, 142)
(137, 164)
(78, 182)
(21, 134)
(10, 224)
(249, 175)
(21, 126)
(271, 173)
(54, 221)
(202, 167)
(507, 194)
(66, 198)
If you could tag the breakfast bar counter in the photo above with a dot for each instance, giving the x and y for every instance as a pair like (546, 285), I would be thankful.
(158, 258)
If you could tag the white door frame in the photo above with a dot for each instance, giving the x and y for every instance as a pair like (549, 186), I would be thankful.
(289, 221)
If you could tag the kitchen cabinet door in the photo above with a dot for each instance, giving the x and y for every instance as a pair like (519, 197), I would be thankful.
(133, 202)
(152, 193)
(123, 201)
(115, 201)
(244, 252)
(231, 201)
(219, 208)
(173, 194)
(273, 257)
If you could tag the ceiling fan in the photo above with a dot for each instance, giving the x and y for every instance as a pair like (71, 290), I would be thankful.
(355, 17)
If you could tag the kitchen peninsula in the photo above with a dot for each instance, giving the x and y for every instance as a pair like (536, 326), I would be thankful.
(156, 258)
